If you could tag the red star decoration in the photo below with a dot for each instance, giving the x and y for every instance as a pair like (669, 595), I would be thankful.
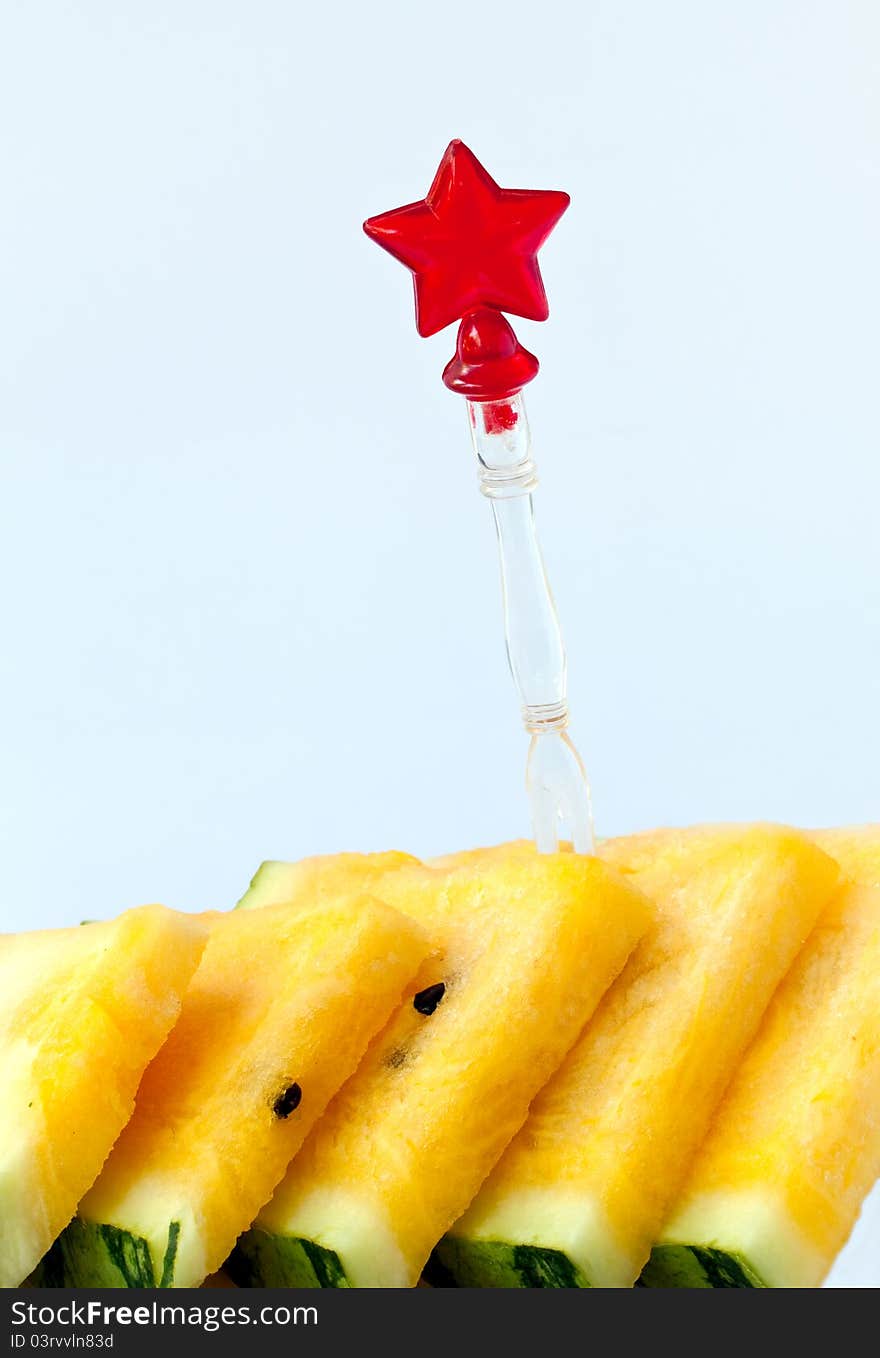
(470, 243)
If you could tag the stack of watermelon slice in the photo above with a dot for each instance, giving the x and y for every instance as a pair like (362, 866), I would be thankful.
(659, 1066)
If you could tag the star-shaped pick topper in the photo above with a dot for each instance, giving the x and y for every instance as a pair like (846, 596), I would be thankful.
(471, 244)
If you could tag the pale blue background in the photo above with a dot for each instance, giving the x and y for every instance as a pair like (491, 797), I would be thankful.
(250, 601)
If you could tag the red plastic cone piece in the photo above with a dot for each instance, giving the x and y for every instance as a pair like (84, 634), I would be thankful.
(489, 363)
(470, 243)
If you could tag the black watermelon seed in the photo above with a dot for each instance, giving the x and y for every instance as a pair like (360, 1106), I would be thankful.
(427, 1000)
(287, 1100)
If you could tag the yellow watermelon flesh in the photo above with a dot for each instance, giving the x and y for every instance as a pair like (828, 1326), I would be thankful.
(82, 1013)
(794, 1148)
(277, 1016)
(530, 944)
(580, 1196)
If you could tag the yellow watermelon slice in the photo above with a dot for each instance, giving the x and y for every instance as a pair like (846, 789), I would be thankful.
(529, 947)
(82, 1012)
(580, 1196)
(794, 1148)
(278, 1015)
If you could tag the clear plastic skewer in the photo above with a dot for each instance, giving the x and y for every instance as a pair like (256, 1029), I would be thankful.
(559, 796)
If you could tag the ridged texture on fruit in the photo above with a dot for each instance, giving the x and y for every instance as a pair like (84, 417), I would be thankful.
(531, 944)
(322, 878)
(82, 1013)
(609, 1140)
(795, 1146)
(284, 996)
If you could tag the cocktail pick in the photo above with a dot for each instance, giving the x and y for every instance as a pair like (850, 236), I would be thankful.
(472, 249)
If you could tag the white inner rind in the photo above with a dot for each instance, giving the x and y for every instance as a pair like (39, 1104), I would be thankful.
(147, 1212)
(754, 1225)
(555, 1220)
(25, 1233)
(25, 1230)
(355, 1230)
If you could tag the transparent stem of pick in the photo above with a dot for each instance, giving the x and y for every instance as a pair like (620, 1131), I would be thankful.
(559, 795)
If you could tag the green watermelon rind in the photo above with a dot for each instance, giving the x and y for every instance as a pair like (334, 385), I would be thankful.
(261, 1259)
(269, 885)
(457, 1262)
(697, 1266)
(94, 1254)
